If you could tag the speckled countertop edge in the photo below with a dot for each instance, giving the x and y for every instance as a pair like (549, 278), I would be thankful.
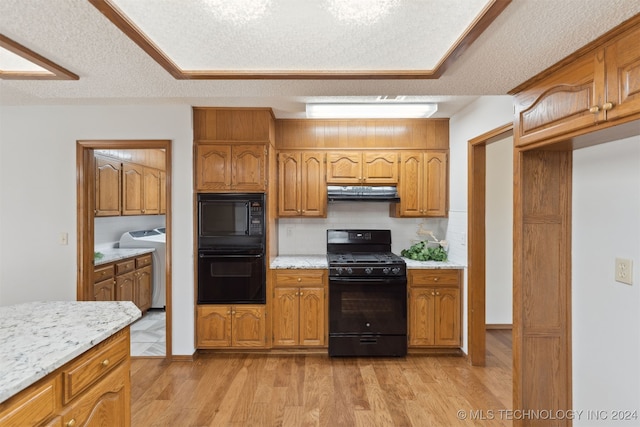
(320, 262)
(39, 337)
(116, 254)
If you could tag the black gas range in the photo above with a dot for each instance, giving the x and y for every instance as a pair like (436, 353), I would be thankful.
(367, 294)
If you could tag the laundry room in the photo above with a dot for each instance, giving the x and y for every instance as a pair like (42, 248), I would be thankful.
(130, 239)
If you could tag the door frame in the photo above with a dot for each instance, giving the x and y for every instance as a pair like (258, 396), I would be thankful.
(85, 187)
(476, 245)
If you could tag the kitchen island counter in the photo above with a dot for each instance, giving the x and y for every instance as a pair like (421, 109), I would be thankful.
(39, 337)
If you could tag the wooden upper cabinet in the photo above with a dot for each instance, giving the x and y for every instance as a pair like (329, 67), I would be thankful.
(622, 59)
(151, 191)
(302, 188)
(423, 185)
(371, 167)
(108, 187)
(225, 167)
(248, 167)
(233, 124)
(597, 87)
(132, 189)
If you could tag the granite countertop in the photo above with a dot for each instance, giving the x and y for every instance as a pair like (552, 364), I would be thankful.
(116, 254)
(320, 261)
(39, 337)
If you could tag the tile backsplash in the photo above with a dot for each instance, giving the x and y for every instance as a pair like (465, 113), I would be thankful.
(308, 236)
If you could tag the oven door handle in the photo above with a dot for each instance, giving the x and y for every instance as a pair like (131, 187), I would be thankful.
(214, 255)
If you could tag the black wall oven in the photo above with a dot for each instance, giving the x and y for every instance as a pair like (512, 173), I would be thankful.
(231, 245)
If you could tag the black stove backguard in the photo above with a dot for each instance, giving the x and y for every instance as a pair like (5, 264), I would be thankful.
(367, 295)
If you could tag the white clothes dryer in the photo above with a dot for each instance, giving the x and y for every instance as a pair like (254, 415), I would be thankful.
(151, 239)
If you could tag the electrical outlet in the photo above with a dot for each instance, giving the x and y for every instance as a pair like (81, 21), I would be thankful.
(624, 271)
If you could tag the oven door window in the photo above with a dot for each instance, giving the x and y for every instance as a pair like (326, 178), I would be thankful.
(231, 279)
(367, 308)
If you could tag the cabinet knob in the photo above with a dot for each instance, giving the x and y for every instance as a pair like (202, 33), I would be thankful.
(299, 279)
(437, 293)
(435, 279)
(607, 106)
(71, 422)
(301, 293)
(595, 109)
(433, 293)
(105, 362)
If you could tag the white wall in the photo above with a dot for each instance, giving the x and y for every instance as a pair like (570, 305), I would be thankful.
(606, 314)
(108, 229)
(38, 193)
(499, 232)
(483, 115)
(308, 236)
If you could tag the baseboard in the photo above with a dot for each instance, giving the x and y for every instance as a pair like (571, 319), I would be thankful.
(182, 358)
(489, 326)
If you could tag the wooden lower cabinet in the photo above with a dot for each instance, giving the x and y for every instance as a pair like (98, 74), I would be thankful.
(299, 308)
(225, 326)
(434, 308)
(130, 279)
(92, 390)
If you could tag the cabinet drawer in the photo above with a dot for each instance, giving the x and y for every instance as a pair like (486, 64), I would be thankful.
(102, 273)
(300, 277)
(125, 266)
(94, 364)
(143, 261)
(32, 406)
(434, 277)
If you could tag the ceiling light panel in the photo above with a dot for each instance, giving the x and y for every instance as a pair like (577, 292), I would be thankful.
(303, 35)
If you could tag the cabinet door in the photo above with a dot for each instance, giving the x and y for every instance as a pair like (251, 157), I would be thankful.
(213, 167)
(125, 287)
(447, 317)
(104, 290)
(132, 188)
(314, 186)
(421, 316)
(560, 103)
(32, 407)
(143, 288)
(108, 187)
(412, 187)
(107, 403)
(380, 168)
(248, 167)
(213, 326)
(623, 75)
(151, 191)
(248, 327)
(289, 191)
(436, 178)
(344, 168)
(285, 316)
(312, 316)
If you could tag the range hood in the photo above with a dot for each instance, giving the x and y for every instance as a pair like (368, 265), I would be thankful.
(362, 193)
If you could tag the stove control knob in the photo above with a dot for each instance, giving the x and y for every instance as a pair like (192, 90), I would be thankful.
(386, 270)
(395, 270)
(349, 270)
(368, 270)
(339, 270)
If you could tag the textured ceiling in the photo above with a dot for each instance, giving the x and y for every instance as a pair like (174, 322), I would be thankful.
(526, 38)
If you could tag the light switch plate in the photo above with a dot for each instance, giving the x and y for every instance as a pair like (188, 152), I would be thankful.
(624, 271)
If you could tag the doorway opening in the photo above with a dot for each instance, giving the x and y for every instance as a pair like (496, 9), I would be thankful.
(477, 241)
(92, 228)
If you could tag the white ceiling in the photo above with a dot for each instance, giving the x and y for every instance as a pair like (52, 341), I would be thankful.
(527, 37)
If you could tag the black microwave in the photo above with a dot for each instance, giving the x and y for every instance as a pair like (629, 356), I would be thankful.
(231, 220)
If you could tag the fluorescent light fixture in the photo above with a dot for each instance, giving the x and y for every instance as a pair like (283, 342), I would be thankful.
(371, 111)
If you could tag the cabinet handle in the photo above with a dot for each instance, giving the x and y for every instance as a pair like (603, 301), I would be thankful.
(105, 362)
(299, 279)
(607, 106)
(301, 293)
(435, 279)
(71, 422)
(433, 293)
(595, 109)
(437, 293)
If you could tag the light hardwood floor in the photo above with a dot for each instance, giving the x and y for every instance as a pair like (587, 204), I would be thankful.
(315, 390)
